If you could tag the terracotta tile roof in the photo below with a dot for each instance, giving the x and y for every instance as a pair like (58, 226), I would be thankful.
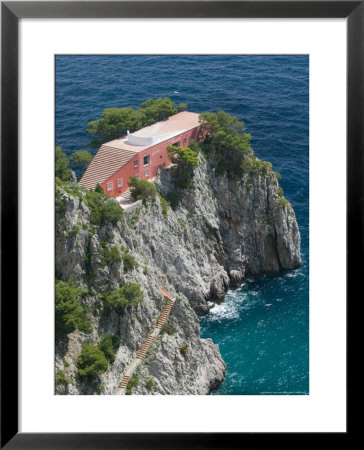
(107, 161)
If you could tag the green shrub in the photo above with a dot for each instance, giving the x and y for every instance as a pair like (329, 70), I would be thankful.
(110, 256)
(141, 189)
(283, 202)
(99, 189)
(65, 363)
(94, 201)
(167, 328)
(150, 384)
(129, 262)
(61, 379)
(61, 165)
(173, 199)
(187, 160)
(128, 295)
(74, 231)
(185, 156)
(183, 348)
(111, 211)
(60, 203)
(164, 205)
(107, 347)
(104, 209)
(183, 178)
(145, 270)
(254, 166)
(181, 107)
(132, 220)
(133, 382)
(91, 362)
(115, 342)
(69, 313)
(100, 389)
(82, 158)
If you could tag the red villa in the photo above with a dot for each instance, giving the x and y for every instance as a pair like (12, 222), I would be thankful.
(140, 154)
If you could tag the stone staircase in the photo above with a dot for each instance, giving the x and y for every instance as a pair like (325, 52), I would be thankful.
(124, 381)
(166, 294)
(148, 342)
(145, 347)
(164, 317)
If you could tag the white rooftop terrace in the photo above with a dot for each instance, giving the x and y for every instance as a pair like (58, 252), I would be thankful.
(158, 132)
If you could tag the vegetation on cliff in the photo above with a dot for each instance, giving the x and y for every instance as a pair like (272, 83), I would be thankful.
(92, 361)
(81, 159)
(187, 160)
(228, 148)
(62, 171)
(115, 122)
(70, 315)
(141, 189)
(128, 295)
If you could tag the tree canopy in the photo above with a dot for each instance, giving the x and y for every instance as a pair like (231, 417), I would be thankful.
(226, 143)
(104, 209)
(128, 295)
(115, 122)
(62, 171)
(99, 189)
(184, 156)
(141, 189)
(69, 313)
(92, 361)
(187, 160)
(82, 158)
(107, 347)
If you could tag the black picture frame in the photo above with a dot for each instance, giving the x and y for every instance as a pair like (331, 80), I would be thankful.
(11, 12)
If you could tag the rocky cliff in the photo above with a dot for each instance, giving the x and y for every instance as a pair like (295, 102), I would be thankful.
(221, 232)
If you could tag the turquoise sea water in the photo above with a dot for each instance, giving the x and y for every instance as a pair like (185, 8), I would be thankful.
(261, 327)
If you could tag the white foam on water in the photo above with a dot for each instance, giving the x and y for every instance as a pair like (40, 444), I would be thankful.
(231, 307)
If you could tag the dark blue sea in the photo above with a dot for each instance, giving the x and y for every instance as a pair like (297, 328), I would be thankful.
(262, 327)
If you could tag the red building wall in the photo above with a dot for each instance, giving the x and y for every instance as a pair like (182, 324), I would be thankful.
(158, 158)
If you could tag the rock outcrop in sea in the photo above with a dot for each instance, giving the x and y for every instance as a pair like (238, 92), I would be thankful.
(221, 232)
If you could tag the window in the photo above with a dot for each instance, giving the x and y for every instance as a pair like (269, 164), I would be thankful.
(146, 173)
(184, 141)
(136, 163)
(137, 175)
(120, 182)
(190, 139)
(109, 186)
(176, 144)
(146, 160)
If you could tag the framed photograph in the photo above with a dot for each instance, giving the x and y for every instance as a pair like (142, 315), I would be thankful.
(178, 221)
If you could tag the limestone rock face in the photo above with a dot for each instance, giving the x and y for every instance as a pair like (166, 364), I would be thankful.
(221, 232)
